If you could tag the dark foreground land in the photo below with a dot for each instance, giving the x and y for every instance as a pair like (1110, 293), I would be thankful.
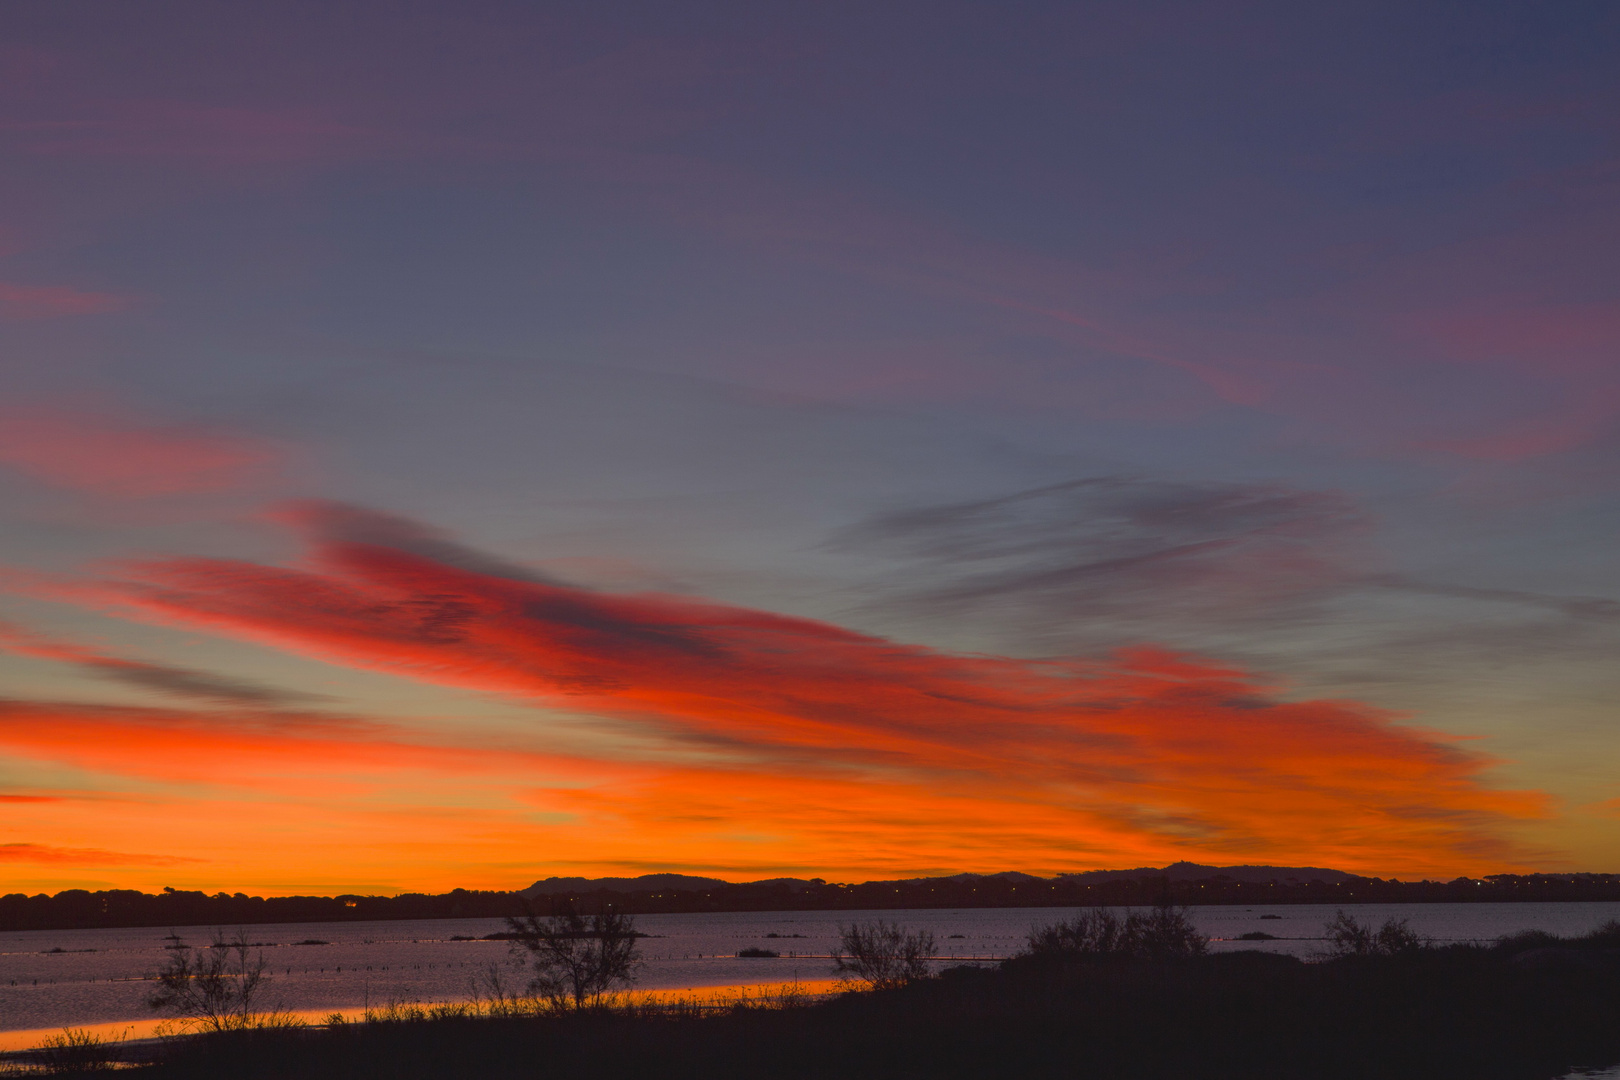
(1522, 1010)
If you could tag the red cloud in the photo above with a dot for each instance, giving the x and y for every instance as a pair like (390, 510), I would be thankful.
(1149, 752)
(53, 301)
(107, 456)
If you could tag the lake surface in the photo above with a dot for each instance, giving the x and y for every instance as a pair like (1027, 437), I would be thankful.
(53, 978)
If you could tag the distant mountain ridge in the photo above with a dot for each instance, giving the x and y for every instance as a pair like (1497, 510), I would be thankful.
(644, 883)
(1188, 871)
(1178, 871)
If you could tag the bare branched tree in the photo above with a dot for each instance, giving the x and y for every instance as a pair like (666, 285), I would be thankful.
(216, 988)
(578, 961)
(883, 955)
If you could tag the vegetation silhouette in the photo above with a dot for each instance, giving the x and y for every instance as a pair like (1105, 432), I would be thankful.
(215, 989)
(1347, 937)
(577, 961)
(1086, 998)
(1165, 932)
(883, 956)
(77, 1052)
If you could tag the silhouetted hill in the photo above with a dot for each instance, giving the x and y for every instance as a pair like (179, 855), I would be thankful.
(1188, 871)
(645, 883)
(1180, 871)
(1179, 883)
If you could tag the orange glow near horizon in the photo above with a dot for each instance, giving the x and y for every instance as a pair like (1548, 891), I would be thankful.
(780, 746)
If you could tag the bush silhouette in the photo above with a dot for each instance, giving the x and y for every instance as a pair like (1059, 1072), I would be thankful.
(883, 955)
(1161, 933)
(1347, 937)
(76, 1051)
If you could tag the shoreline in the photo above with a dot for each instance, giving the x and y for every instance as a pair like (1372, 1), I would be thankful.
(631, 905)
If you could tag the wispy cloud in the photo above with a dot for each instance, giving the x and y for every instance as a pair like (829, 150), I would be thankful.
(111, 456)
(177, 681)
(1149, 749)
(1120, 555)
(76, 856)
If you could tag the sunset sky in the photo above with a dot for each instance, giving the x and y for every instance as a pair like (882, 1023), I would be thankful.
(451, 444)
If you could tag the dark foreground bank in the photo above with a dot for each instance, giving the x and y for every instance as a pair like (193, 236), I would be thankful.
(1523, 1010)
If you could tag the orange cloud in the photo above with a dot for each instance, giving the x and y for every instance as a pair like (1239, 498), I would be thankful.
(103, 455)
(44, 853)
(278, 752)
(849, 750)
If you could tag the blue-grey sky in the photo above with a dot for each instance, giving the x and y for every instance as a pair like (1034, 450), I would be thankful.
(857, 440)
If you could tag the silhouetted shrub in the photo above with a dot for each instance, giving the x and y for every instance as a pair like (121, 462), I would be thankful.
(1347, 937)
(1606, 936)
(883, 955)
(76, 1051)
(1526, 940)
(1160, 933)
(1094, 931)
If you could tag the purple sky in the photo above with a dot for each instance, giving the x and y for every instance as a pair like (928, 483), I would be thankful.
(1282, 340)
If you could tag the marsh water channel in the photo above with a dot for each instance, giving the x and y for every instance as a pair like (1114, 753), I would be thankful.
(53, 978)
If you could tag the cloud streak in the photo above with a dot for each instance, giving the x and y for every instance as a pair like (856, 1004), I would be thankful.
(176, 681)
(107, 456)
(49, 854)
(1117, 552)
(1147, 752)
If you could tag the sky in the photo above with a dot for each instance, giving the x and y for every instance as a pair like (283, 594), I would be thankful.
(452, 444)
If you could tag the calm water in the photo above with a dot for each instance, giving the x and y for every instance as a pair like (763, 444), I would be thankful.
(100, 976)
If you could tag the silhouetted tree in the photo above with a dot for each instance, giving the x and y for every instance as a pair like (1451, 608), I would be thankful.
(577, 961)
(216, 988)
(883, 955)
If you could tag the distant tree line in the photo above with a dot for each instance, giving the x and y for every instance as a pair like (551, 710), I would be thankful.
(77, 908)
